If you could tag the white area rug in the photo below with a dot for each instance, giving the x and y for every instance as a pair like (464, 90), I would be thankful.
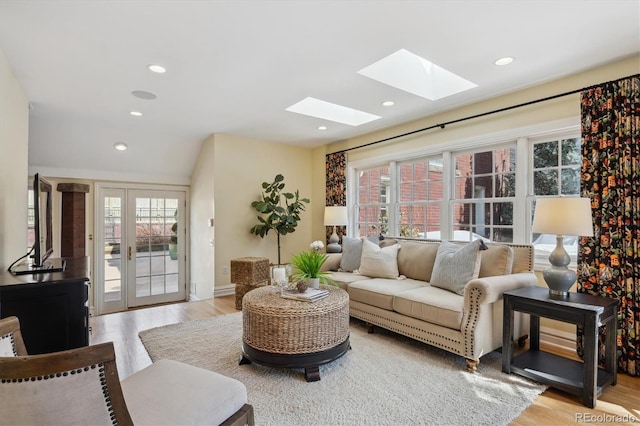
(386, 379)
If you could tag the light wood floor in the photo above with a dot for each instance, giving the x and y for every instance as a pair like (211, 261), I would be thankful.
(553, 407)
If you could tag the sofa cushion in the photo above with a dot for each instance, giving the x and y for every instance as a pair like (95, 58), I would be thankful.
(496, 260)
(351, 254)
(455, 266)
(431, 304)
(416, 259)
(379, 292)
(343, 279)
(379, 262)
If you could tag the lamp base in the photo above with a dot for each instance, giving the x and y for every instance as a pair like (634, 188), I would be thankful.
(559, 280)
(333, 246)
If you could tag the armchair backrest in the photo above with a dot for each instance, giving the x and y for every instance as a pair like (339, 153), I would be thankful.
(79, 386)
(11, 343)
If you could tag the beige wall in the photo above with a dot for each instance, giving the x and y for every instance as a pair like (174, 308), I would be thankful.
(14, 143)
(230, 171)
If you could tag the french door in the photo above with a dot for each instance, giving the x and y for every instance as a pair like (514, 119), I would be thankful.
(141, 247)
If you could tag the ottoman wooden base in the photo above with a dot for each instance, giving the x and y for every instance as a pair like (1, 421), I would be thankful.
(310, 362)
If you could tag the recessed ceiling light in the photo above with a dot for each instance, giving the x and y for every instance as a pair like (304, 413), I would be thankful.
(388, 103)
(328, 111)
(121, 146)
(136, 113)
(142, 94)
(409, 72)
(322, 127)
(504, 61)
(158, 69)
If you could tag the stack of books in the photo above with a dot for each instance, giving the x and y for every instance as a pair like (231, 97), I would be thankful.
(310, 295)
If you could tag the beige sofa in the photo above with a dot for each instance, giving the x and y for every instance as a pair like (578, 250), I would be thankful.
(468, 324)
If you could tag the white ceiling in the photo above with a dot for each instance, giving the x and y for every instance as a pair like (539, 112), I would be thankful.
(234, 66)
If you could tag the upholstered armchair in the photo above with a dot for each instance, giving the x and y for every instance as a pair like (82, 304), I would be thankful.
(81, 386)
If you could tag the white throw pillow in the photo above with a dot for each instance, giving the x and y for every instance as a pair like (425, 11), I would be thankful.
(379, 262)
(455, 266)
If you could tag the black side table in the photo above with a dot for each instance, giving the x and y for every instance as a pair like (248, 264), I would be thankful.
(583, 379)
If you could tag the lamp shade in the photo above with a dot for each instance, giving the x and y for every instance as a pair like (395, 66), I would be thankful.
(563, 216)
(335, 216)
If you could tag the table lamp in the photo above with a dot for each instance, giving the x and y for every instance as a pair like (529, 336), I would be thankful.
(335, 216)
(562, 216)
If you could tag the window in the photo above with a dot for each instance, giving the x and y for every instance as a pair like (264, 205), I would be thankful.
(556, 172)
(373, 201)
(484, 190)
(472, 190)
(556, 167)
(420, 198)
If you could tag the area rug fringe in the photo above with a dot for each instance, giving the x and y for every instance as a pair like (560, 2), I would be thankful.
(386, 379)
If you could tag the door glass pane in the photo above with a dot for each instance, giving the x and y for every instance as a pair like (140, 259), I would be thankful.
(156, 246)
(112, 228)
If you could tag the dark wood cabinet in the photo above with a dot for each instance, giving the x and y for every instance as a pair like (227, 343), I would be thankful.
(52, 307)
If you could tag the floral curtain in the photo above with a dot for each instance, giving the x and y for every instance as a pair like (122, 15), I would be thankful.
(609, 263)
(336, 184)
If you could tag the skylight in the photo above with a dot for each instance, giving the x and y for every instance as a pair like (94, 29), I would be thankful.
(411, 73)
(329, 111)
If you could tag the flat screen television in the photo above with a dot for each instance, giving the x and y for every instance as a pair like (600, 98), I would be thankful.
(43, 232)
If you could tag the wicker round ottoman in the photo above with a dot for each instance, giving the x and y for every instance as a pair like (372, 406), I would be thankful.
(279, 332)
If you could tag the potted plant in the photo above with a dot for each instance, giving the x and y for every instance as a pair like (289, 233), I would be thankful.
(308, 266)
(173, 240)
(279, 211)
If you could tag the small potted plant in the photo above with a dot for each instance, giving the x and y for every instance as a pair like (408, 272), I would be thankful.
(173, 240)
(308, 265)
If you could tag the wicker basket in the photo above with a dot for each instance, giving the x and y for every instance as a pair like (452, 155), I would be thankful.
(248, 273)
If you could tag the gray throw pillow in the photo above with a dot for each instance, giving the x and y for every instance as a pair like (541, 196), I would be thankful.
(351, 254)
(455, 266)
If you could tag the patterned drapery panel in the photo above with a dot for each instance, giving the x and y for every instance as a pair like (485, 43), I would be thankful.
(336, 183)
(609, 263)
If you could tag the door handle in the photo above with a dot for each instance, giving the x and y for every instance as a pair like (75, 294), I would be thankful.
(129, 252)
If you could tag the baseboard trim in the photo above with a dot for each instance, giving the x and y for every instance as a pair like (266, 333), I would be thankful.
(560, 339)
(225, 290)
(193, 297)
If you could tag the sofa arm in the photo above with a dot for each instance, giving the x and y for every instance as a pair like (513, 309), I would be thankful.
(332, 263)
(492, 288)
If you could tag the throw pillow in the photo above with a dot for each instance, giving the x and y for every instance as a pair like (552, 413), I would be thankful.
(496, 260)
(351, 254)
(377, 262)
(455, 266)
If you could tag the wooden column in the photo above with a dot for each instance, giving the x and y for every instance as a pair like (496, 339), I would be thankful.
(73, 235)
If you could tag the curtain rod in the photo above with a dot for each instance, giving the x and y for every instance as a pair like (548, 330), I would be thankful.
(495, 111)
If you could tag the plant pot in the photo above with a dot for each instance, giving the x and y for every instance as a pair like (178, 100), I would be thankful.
(313, 282)
(173, 251)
